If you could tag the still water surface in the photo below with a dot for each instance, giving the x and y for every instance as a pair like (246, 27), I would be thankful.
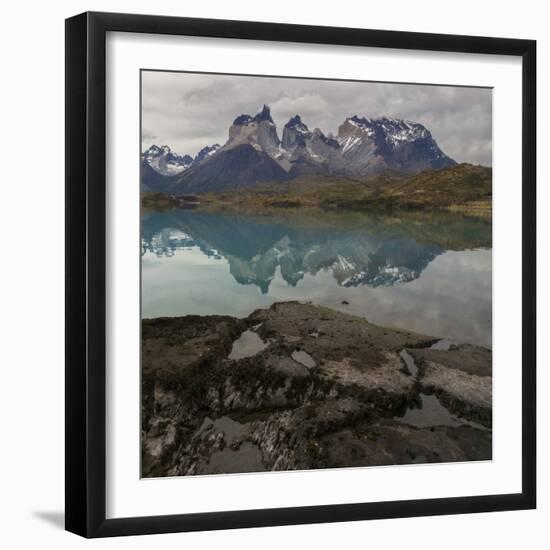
(429, 273)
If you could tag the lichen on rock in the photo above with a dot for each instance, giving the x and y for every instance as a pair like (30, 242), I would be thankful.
(326, 390)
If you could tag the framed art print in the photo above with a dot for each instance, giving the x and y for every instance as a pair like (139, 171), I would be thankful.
(300, 274)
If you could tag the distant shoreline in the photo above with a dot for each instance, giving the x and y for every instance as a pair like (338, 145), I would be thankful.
(463, 188)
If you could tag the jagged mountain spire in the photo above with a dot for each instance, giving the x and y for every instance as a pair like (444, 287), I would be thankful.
(264, 115)
(294, 120)
(296, 123)
(295, 134)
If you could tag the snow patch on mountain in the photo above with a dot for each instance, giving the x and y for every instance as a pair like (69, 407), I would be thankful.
(165, 162)
(206, 152)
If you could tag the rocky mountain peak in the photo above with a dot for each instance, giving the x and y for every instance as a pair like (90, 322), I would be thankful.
(164, 161)
(296, 123)
(330, 141)
(242, 120)
(153, 151)
(205, 152)
(393, 129)
(259, 131)
(295, 134)
(358, 120)
(264, 115)
(376, 145)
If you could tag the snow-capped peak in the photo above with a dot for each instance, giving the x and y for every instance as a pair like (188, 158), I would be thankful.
(165, 162)
(395, 130)
(153, 151)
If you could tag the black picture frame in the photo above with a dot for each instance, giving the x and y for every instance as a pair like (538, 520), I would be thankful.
(86, 275)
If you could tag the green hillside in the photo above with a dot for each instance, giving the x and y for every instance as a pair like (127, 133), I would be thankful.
(463, 187)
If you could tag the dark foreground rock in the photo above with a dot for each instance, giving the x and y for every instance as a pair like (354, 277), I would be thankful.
(298, 386)
(461, 378)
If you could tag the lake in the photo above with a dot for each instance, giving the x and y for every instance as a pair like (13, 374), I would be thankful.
(426, 272)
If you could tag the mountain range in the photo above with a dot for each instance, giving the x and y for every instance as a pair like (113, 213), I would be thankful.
(254, 153)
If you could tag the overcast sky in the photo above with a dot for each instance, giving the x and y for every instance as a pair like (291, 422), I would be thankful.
(188, 111)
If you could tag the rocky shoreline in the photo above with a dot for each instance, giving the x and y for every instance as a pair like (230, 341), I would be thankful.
(299, 386)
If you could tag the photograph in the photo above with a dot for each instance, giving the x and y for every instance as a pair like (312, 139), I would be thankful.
(316, 273)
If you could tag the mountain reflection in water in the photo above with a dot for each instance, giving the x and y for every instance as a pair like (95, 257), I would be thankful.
(425, 272)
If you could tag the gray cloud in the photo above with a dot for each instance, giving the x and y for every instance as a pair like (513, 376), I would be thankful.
(188, 110)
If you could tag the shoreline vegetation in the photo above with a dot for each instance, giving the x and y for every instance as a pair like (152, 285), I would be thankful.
(448, 229)
(463, 188)
(299, 386)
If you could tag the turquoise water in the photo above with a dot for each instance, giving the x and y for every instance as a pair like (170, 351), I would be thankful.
(427, 273)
